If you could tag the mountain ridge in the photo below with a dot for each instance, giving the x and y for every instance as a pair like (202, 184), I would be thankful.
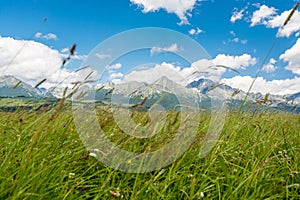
(8, 83)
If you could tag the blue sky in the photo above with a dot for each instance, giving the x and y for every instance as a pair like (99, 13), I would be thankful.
(227, 30)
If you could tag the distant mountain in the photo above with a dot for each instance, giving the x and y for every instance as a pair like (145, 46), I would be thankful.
(235, 97)
(204, 85)
(164, 91)
(219, 91)
(294, 98)
(168, 93)
(7, 84)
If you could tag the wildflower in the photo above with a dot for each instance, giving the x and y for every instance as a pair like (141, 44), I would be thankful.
(202, 194)
(190, 175)
(115, 193)
(93, 155)
(96, 150)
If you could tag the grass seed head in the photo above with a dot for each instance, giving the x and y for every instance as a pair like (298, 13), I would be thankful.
(40, 83)
(291, 14)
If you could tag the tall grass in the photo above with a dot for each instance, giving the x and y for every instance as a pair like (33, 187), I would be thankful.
(42, 157)
(257, 157)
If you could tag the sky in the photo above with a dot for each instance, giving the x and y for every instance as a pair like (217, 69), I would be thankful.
(36, 35)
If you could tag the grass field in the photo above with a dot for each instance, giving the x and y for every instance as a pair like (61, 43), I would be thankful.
(256, 157)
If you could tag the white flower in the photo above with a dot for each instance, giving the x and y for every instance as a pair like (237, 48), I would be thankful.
(92, 154)
(202, 194)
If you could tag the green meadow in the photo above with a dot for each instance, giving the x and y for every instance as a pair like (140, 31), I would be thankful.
(42, 157)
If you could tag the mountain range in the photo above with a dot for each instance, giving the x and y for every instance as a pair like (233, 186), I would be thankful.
(163, 90)
(10, 86)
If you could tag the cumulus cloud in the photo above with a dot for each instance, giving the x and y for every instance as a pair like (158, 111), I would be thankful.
(64, 50)
(268, 16)
(292, 56)
(262, 15)
(237, 15)
(236, 39)
(181, 8)
(150, 75)
(292, 27)
(49, 36)
(235, 62)
(270, 67)
(277, 87)
(103, 56)
(114, 67)
(173, 48)
(115, 76)
(201, 68)
(31, 61)
(79, 57)
(196, 31)
(244, 41)
(205, 69)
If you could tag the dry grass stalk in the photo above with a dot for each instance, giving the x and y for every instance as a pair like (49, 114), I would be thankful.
(89, 75)
(82, 68)
(65, 92)
(214, 87)
(132, 93)
(226, 67)
(17, 84)
(82, 94)
(291, 14)
(72, 52)
(40, 83)
(100, 88)
(141, 103)
(236, 92)
(110, 91)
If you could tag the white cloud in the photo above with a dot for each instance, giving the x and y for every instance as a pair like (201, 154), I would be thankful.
(196, 31)
(201, 68)
(292, 56)
(173, 48)
(181, 8)
(150, 75)
(64, 50)
(79, 57)
(236, 40)
(115, 76)
(204, 68)
(237, 15)
(31, 61)
(103, 56)
(49, 36)
(232, 33)
(292, 27)
(270, 67)
(268, 16)
(114, 67)
(261, 15)
(244, 41)
(235, 62)
(257, 5)
(38, 35)
(278, 87)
